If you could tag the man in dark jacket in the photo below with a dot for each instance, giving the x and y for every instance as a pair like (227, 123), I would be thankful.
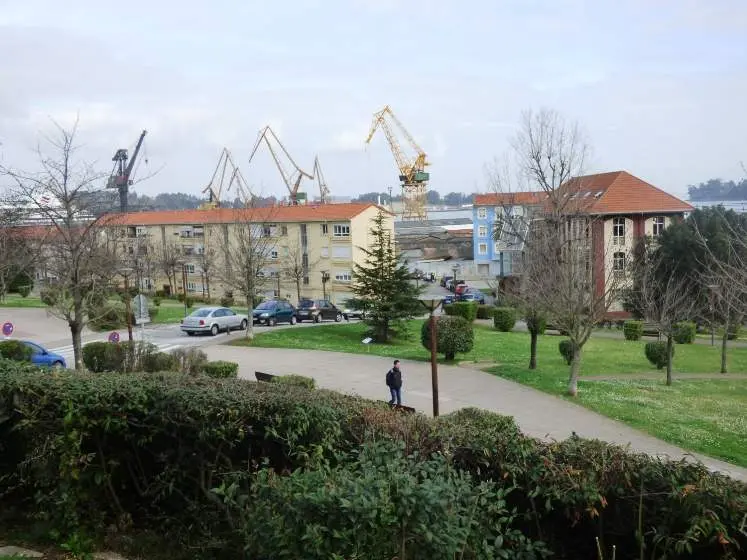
(394, 382)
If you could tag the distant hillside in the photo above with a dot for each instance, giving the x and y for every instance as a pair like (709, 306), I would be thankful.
(433, 197)
(716, 190)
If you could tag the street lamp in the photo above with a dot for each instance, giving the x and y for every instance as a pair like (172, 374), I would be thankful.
(325, 279)
(432, 305)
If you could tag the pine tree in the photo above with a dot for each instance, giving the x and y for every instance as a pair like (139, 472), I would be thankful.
(383, 285)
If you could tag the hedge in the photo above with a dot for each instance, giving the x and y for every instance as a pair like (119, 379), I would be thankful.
(504, 318)
(633, 330)
(656, 353)
(466, 309)
(221, 369)
(684, 332)
(293, 380)
(485, 311)
(565, 347)
(188, 457)
(453, 335)
(15, 350)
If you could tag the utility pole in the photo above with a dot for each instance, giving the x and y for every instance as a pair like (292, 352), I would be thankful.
(184, 288)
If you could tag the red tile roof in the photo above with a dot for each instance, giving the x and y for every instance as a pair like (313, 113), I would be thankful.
(301, 213)
(619, 192)
(499, 199)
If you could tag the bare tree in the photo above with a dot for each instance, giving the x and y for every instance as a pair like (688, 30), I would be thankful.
(295, 266)
(246, 246)
(170, 260)
(560, 276)
(78, 254)
(208, 263)
(18, 246)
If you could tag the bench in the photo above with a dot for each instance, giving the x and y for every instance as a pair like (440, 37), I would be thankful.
(266, 377)
(651, 329)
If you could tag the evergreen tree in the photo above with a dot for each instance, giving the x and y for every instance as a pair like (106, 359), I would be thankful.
(383, 285)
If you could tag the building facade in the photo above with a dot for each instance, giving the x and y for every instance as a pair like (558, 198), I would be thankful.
(311, 247)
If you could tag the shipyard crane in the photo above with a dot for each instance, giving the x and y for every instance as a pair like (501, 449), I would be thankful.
(226, 174)
(319, 176)
(412, 172)
(120, 177)
(291, 179)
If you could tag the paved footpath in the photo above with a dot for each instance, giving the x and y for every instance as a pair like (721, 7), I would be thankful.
(538, 414)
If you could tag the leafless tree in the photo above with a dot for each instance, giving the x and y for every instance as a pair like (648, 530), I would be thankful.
(78, 254)
(170, 259)
(295, 266)
(552, 235)
(246, 246)
(18, 245)
(208, 262)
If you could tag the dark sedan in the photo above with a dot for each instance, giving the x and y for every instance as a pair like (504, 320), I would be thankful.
(318, 310)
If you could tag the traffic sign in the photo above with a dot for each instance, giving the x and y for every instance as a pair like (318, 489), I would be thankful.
(114, 337)
(8, 328)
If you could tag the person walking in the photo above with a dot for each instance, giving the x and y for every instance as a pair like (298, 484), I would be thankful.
(394, 382)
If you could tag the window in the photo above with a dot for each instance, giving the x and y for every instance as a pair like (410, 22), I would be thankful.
(343, 276)
(658, 225)
(325, 229)
(342, 252)
(325, 252)
(283, 230)
(341, 230)
(191, 287)
(266, 231)
(618, 231)
(618, 263)
(497, 247)
(482, 248)
(286, 252)
(482, 231)
(190, 268)
(482, 213)
(274, 254)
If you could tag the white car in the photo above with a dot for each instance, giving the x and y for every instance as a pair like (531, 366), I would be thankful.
(351, 313)
(213, 320)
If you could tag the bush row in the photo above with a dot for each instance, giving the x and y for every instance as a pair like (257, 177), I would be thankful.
(207, 463)
(465, 309)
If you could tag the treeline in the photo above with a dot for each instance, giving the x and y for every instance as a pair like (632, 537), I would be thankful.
(184, 201)
(717, 190)
(432, 197)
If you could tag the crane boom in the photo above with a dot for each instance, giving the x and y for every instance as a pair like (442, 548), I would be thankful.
(412, 172)
(323, 189)
(291, 179)
(120, 177)
(220, 178)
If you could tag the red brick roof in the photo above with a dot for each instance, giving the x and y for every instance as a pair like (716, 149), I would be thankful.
(500, 199)
(301, 213)
(619, 192)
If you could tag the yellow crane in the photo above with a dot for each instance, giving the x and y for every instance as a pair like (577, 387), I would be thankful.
(319, 176)
(412, 172)
(226, 174)
(292, 178)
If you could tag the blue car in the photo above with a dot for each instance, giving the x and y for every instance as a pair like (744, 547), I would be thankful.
(42, 357)
(447, 300)
(473, 296)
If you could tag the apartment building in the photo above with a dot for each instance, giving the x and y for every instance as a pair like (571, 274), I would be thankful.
(325, 241)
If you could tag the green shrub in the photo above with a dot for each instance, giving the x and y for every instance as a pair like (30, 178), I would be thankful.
(504, 318)
(23, 281)
(454, 335)
(157, 362)
(536, 323)
(99, 357)
(485, 311)
(465, 309)
(189, 360)
(221, 369)
(295, 381)
(157, 301)
(633, 330)
(180, 297)
(656, 353)
(124, 357)
(734, 332)
(684, 332)
(565, 347)
(226, 301)
(160, 294)
(25, 290)
(189, 301)
(15, 350)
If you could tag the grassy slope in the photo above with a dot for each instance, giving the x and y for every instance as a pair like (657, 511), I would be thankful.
(702, 415)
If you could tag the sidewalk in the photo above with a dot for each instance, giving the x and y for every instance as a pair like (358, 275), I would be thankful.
(538, 414)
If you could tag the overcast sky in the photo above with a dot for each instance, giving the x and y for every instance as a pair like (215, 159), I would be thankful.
(660, 86)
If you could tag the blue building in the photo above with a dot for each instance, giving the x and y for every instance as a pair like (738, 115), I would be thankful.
(498, 223)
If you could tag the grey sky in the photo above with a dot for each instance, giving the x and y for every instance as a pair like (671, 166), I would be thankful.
(658, 85)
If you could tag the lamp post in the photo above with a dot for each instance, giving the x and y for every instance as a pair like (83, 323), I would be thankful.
(184, 287)
(325, 279)
(432, 305)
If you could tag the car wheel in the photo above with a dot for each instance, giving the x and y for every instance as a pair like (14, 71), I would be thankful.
(338, 317)
(271, 322)
(57, 365)
(214, 330)
(244, 325)
(318, 318)
(293, 320)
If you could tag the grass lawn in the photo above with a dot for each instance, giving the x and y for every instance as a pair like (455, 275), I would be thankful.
(14, 300)
(706, 416)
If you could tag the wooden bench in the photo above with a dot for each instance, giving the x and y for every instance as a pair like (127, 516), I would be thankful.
(266, 377)
(651, 329)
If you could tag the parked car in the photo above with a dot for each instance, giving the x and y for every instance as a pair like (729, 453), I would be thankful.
(447, 300)
(213, 320)
(459, 289)
(42, 357)
(275, 311)
(351, 313)
(479, 297)
(444, 280)
(318, 310)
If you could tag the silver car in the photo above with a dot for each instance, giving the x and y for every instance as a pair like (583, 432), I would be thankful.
(213, 320)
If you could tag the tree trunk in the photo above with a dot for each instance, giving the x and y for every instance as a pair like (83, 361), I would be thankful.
(533, 350)
(575, 369)
(76, 328)
(207, 285)
(724, 340)
(670, 343)
(298, 290)
(250, 319)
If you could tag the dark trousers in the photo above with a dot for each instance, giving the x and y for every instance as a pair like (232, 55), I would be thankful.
(396, 395)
